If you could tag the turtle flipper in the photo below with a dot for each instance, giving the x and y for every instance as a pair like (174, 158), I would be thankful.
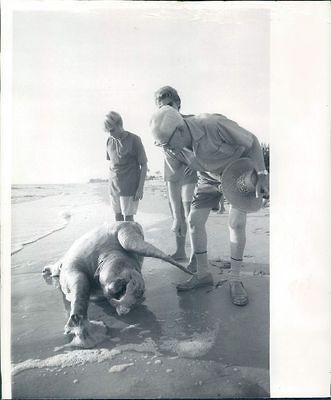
(131, 239)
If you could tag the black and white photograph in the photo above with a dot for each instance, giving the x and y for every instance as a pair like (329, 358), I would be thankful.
(140, 165)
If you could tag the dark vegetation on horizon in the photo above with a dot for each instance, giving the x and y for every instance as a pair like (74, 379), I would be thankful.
(266, 155)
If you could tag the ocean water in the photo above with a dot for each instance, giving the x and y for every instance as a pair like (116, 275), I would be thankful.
(40, 210)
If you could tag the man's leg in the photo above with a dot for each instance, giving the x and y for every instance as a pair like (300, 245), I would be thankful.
(180, 253)
(197, 223)
(237, 228)
(206, 197)
(187, 197)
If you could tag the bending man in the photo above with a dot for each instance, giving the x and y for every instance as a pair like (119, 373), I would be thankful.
(208, 143)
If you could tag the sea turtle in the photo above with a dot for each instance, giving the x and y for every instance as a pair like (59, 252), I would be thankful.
(109, 257)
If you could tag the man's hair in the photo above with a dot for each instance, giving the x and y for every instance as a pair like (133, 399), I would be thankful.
(167, 95)
(115, 117)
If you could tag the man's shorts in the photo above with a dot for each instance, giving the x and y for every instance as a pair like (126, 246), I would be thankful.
(208, 192)
(124, 205)
(187, 192)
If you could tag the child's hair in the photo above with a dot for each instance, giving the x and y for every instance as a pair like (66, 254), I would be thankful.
(115, 117)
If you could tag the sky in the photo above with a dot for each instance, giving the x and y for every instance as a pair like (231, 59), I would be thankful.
(72, 65)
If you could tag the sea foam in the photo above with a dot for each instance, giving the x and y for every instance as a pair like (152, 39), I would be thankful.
(80, 357)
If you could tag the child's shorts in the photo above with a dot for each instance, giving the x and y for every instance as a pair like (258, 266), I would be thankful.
(124, 205)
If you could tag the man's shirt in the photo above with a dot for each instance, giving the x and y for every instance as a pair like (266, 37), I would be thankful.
(216, 141)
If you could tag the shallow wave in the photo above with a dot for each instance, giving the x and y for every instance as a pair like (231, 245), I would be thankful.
(52, 208)
(32, 223)
(27, 193)
(19, 247)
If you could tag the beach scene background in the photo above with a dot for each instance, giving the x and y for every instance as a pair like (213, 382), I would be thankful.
(65, 66)
(83, 62)
(171, 345)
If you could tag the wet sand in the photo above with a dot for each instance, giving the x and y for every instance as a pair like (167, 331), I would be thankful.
(190, 345)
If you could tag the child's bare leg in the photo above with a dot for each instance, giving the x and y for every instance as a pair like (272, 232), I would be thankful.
(119, 217)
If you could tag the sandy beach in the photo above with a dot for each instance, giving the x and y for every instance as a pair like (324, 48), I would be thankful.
(190, 345)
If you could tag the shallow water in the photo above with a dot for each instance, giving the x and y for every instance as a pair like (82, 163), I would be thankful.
(40, 210)
(24, 193)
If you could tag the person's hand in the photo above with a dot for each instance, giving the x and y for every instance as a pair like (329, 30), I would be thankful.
(139, 194)
(178, 227)
(262, 186)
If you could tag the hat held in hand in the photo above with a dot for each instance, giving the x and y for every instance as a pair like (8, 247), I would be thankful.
(239, 181)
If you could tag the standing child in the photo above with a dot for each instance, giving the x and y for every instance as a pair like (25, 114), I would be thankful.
(127, 168)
